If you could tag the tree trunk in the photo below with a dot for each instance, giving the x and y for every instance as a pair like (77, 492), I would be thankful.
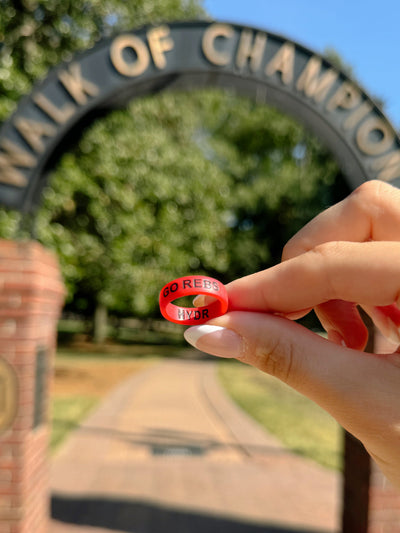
(100, 324)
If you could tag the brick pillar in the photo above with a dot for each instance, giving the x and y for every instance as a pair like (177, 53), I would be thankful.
(31, 297)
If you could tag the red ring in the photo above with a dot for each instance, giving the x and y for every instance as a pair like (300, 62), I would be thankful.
(189, 286)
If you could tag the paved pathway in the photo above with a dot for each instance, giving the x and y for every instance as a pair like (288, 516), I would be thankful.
(168, 452)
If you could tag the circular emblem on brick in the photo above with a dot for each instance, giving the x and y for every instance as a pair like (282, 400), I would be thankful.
(8, 395)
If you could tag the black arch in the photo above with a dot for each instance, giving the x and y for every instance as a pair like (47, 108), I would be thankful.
(185, 55)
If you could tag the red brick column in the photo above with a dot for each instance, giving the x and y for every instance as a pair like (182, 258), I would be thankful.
(31, 298)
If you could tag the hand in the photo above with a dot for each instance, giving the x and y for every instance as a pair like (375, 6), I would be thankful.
(348, 255)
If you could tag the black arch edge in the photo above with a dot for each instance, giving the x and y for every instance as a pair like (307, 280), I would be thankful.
(86, 115)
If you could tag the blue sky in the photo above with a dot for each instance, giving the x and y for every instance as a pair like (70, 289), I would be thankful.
(365, 33)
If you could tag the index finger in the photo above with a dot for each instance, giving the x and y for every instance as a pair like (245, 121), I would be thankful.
(371, 212)
(354, 272)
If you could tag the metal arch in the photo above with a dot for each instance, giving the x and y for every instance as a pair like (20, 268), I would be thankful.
(187, 55)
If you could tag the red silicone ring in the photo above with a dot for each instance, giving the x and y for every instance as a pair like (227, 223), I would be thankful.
(189, 286)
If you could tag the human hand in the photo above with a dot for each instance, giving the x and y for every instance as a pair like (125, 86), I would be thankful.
(348, 255)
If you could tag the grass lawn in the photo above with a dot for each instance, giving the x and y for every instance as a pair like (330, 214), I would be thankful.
(66, 413)
(80, 381)
(296, 421)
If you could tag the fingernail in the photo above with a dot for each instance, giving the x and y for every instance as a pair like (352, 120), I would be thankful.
(199, 300)
(215, 340)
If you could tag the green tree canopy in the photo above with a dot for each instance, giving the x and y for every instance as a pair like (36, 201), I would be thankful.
(38, 34)
(135, 204)
(176, 184)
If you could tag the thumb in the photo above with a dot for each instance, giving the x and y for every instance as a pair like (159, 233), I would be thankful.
(347, 383)
(275, 345)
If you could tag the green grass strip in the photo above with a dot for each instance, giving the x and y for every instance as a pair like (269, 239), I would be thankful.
(296, 421)
(67, 413)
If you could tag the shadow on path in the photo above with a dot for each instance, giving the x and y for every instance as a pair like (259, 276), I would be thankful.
(160, 440)
(145, 517)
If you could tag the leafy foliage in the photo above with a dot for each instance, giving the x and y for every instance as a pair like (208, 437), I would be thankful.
(281, 178)
(150, 206)
(36, 35)
(178, 184)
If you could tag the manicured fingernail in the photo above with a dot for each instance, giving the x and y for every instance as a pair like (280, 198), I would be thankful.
(199, 300)
(215, 340)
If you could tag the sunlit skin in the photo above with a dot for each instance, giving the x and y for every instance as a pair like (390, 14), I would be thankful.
(349, 255)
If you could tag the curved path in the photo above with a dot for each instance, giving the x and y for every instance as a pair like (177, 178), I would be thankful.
(168, 452)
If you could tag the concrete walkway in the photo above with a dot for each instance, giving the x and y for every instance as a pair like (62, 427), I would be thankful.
(168, 452)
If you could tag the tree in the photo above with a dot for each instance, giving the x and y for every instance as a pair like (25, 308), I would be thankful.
(202, 182)
(36, 35)
(281, 178)
(127, 219)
